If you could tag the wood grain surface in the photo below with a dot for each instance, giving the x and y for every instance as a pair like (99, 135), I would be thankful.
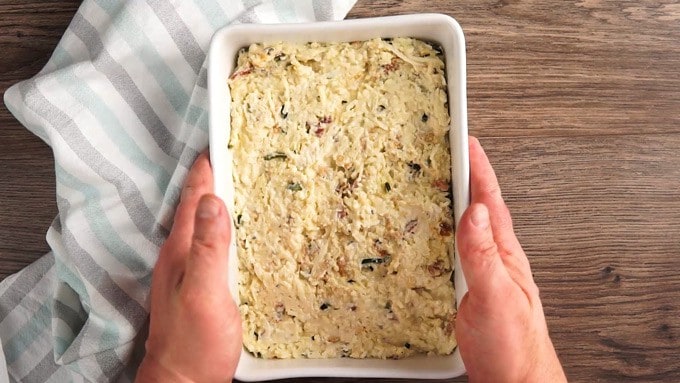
(29, 31)
(578, 106)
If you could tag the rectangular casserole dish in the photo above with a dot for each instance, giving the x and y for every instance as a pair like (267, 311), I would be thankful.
(436, 28)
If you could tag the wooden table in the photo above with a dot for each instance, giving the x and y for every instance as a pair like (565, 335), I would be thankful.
(578, 106)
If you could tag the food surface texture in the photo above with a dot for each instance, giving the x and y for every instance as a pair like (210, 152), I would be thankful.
(342, 207)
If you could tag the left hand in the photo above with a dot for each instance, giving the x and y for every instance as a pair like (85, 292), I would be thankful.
(195, 329)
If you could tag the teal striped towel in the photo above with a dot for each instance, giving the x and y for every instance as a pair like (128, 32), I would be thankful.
(122, 102)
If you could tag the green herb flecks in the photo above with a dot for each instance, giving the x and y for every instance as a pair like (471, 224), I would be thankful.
(275, 156)
(414, 167)
(369, 263)
(294, 186)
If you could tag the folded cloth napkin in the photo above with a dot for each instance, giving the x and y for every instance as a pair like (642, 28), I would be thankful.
(123, 104)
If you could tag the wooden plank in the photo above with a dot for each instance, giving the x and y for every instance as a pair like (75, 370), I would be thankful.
(27, 192)
(562, 68)
(599, 219)
(28, 34)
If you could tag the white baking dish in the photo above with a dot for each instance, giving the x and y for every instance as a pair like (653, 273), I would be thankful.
(224, 48)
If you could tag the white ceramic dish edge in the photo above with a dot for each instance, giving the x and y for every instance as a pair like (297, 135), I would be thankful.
(224, 49)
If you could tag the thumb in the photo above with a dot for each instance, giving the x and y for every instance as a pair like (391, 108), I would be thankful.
(208, 258)
(482, 265)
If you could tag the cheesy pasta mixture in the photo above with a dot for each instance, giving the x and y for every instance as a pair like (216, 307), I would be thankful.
(343, 209)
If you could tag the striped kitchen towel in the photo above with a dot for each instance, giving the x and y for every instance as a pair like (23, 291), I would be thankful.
(123, 104)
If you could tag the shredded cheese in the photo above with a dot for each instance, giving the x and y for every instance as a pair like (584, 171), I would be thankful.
(343, 208)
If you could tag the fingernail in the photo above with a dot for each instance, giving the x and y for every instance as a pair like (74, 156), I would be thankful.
(480, 216)
(207, 208)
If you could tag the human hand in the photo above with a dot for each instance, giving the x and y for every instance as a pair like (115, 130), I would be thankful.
(195, 329)
(501, 328)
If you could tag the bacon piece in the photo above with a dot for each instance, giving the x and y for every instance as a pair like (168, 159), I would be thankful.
(411, 226)
(241, 73)
(436, 269)
(445, 229)
(441, 185)
(392, 66)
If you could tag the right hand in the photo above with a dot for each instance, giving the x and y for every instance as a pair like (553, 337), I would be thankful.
(501, 327)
